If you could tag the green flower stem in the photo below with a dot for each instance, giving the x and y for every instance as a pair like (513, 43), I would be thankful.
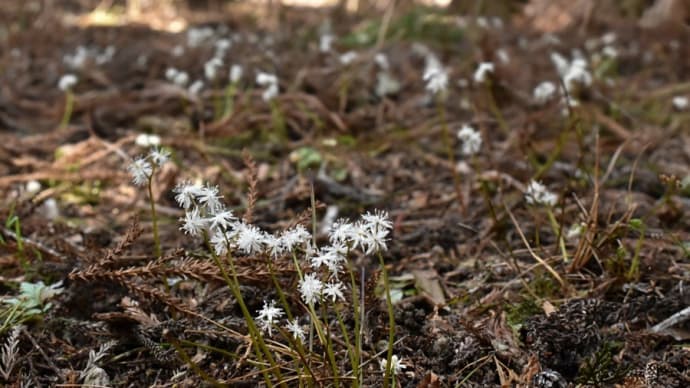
(558, 230)
(69, 106)
(391, 322)
(451, 154)
(154, 216)
(356, 370)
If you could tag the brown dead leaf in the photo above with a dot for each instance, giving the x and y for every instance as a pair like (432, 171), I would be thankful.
(428, 282)
(431, 380)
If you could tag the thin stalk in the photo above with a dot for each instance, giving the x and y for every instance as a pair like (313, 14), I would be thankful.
(391, 321)
(356, 371)
(558, 230)
(451, 155)
(69, 106)
(154, 216)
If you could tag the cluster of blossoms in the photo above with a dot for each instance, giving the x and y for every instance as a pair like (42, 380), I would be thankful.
(270, 83)
(538, 194)
(205, 213)
(471, 140)
(435, 76)
(142, 167)
(368, 235)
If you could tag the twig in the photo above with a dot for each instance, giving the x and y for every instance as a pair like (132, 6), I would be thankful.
(45, 356)
(681, 316)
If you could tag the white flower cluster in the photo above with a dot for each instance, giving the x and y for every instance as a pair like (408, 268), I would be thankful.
(574, 73)
(435, 76)
(270, 82)
(471, 140)
(142, 167)
(179, 78)
(538, 194)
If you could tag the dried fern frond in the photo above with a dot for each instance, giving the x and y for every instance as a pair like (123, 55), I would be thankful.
(9, 352)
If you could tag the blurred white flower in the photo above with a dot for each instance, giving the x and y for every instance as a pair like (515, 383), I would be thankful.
(222, 220)
(186, 194)
(235, 73)
(481, 75)
(386, 85)
(146, 140)
(680, 102)
(435, 76)
(33, 186)
(67, 82)
(538, 194)
(471, 140)
(270, 82)
(348, 57)
(208, 197)
(211, 68)
(295, 237)
(196, 87)
(544, 92)
(382, 61)
(159, 156)
(325, 42)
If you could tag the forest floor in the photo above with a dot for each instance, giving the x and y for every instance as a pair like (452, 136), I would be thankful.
(488, 289)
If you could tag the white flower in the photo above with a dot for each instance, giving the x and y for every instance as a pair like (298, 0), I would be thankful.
(67, 81)
(181, 78)
(235, 73)
(211, 68)
(575, 231)
(196, 87)
(270, 81)
(295, 329)
(471, 140)
(222, 220)
(220, 241)
(208, 197)
(386, 84)
(171, 73)
(341, 232)
(145, 140)
(396, 365)
(481, 75)
(544, 92)
(33, 186)
(374, 241)
(274, 245)
(193, 223)
(382, 61)
(186, 194)
(378, 220)
(141, 171)
(294, 237)
(538, 194)
(435, 76)
(680, 102)
(325, 43)
(577, 74)
(159, 156)
(348, 57)
(268, 315)
(334, 290)
(250, 239)
(222, 45)
(310, 288)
